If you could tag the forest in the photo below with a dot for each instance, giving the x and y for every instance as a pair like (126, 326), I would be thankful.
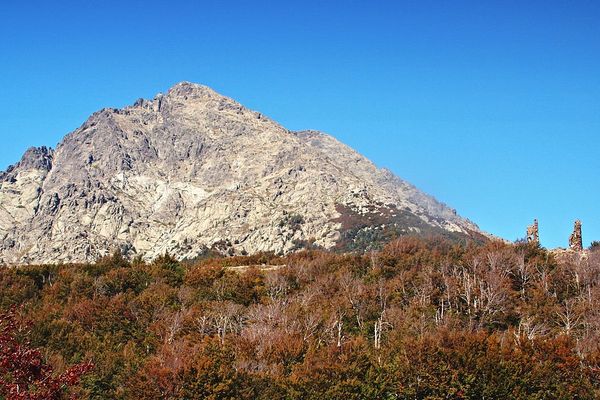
(418, 319)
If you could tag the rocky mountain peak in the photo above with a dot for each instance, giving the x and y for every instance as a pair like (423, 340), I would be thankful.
(187, 90)
(191, 170)
(185, 93)
(36, 158)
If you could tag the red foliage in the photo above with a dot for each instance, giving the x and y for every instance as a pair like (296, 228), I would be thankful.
(23, 373)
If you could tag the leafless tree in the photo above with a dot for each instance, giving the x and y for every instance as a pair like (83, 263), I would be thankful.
(227, 318)
(355, 293)
(568, 318)
(381, 323)
(522, 273)
(277, 285)
(530, 329)
(174, 326)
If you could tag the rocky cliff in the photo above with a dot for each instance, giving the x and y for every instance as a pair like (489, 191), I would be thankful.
(192, 170)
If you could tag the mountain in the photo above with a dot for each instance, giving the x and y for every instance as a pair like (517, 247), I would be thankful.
(192, 170)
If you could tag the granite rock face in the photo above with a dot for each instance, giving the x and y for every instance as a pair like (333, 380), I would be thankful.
(191, 170)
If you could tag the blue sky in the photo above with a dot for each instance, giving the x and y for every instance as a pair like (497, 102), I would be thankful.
(493, 107)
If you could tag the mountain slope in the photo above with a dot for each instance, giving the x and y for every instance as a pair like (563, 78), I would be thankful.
(191, 170)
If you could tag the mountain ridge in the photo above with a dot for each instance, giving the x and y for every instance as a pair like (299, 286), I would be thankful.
(191, 170)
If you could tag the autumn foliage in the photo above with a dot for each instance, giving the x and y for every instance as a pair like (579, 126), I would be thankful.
(24, 375)
(420, 319)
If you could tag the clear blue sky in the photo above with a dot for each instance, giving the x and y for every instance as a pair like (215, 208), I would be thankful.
(493, 107)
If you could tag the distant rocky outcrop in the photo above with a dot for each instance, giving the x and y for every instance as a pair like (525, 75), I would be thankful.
(192, 170)
(533, 233)
(576, 240)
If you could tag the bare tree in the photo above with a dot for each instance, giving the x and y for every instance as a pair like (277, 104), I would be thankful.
(530, 329)
(335, 327)
(568, 318)
(227, 318)
(277, 285)
(355, 293)
(381, 323)
(522, 273)
(310, 325)
(174, 326)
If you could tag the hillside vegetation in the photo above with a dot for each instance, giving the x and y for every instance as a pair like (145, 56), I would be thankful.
(420, 319)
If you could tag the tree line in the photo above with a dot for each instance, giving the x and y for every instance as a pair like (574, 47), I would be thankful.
(419, 319)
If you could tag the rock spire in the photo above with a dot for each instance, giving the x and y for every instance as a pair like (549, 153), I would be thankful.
(533, 235)
(575, 240)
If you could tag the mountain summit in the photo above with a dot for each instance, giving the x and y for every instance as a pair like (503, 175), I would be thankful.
(192, 170)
